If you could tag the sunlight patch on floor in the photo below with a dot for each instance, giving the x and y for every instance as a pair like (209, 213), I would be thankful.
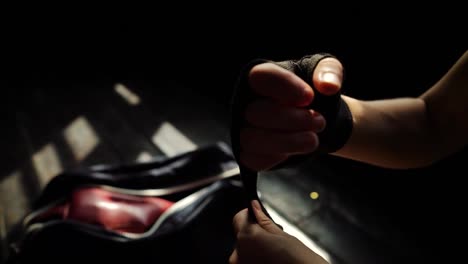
(130, 97)
(81, 138)
(13, 194)
(46, 163)
(171, 141)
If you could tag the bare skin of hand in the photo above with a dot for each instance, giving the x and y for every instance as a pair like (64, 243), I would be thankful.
(265, 242)
(280, 125)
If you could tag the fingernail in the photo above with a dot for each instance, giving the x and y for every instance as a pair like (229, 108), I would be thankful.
(329, 77)
(315, 114)
(256, 205)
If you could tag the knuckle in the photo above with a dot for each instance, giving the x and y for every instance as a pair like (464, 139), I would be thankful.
(311, 141)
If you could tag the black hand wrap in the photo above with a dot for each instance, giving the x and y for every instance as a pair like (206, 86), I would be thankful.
(335, 111)
(333, 108)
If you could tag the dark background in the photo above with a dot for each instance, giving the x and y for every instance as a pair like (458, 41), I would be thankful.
(205, 50)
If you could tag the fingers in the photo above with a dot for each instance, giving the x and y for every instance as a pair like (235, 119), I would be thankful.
(234, 258)
(281, 126)
(263, 220)
(328, 76)
(283, 86)
(240, 220)
(255, 140)
(270, 115)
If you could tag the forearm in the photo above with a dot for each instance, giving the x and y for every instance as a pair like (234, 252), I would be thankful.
(390, 133)
(412, 132)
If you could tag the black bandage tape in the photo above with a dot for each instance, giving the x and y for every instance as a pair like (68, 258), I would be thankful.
(243, 95)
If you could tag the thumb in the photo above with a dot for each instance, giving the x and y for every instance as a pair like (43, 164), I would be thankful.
(263, 220)
(328, 76)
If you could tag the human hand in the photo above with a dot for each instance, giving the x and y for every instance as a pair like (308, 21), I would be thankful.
(280, 124)
(265, 242)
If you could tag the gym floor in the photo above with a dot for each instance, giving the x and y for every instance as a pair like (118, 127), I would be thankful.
(53, 125)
